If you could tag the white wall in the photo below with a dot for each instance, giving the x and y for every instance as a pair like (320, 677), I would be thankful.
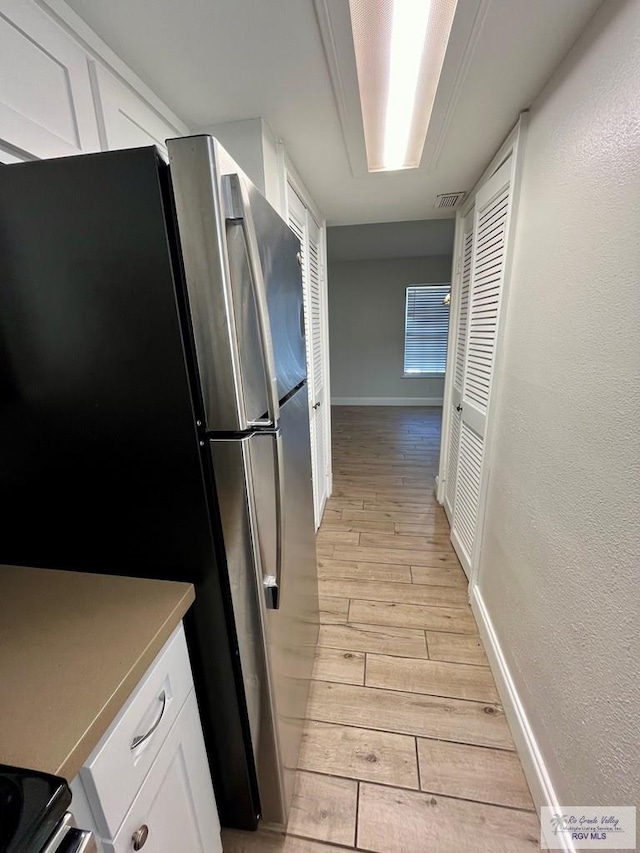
(253, 146)
(560, 559)
(243, 140)
(366, 327)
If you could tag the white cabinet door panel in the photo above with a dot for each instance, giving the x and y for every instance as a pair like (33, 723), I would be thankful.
(176, 805)
(127, 121)
(46, 105)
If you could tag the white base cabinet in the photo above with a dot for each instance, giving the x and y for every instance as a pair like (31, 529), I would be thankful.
(147, 784)
(174, 809)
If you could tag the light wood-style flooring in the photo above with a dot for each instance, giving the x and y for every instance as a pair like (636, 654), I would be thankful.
(407, 748)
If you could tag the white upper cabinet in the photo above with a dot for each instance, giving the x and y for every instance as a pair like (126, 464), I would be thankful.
(59, 96)
(126, 121)
(46, 105)
(9, 157)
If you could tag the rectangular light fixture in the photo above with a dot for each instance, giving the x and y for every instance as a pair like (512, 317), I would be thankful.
(400, 47)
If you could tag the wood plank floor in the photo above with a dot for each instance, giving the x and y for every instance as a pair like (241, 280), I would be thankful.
(407, 748)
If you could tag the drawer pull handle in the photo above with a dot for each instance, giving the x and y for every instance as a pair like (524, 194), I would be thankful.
(138, 739)
(139, 837)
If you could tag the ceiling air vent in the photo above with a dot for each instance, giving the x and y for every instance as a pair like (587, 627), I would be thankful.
(448, 201)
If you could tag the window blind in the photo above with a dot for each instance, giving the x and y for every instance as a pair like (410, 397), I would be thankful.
(426, 328)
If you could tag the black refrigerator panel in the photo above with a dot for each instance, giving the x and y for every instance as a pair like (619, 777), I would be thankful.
(99, 456)
(101, 467)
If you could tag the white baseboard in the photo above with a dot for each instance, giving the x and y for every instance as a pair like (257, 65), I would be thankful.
(538, 777)
(386, 401)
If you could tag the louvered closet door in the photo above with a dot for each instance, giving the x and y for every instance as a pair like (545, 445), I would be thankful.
(297, 213)
(319, 407)
(466, 250)
(487, 273)
(308, 232)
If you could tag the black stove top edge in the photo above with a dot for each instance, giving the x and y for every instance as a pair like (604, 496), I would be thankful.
(31, 804)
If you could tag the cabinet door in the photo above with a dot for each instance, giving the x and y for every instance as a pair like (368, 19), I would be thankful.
(46, 106)
(126, 120)
(175, 808)
(116, 769)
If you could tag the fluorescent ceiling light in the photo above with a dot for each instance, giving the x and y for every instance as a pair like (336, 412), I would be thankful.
(400, 47)
(408, 32)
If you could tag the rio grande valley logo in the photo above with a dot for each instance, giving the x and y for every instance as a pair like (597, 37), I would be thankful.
(588, 828)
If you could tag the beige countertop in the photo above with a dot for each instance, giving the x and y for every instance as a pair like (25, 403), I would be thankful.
(72, 648)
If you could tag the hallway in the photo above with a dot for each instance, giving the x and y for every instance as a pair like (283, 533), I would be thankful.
(407, 748)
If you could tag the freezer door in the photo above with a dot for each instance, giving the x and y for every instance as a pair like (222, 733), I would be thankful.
(278, 260)
(244, 287)
(279, 252)
(292, 628)
(227, 311)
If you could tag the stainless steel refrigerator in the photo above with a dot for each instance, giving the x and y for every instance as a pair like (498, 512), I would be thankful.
(154, 414)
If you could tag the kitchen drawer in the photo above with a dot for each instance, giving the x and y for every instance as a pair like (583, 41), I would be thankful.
(116, 769)
(175, 809)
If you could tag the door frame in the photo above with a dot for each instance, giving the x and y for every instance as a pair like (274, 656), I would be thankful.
(513, 146)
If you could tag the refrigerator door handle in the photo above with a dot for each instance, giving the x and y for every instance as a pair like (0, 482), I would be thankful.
(273, 583)
(238, 209)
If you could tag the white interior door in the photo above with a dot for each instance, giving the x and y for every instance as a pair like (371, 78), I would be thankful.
(490, 221)
(308, 232)
(466, 250)
(319, 405)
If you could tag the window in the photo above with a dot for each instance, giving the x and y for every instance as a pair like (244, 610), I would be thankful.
(425, 329)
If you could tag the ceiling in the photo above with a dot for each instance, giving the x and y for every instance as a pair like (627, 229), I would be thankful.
(390, 240)
(220, 60)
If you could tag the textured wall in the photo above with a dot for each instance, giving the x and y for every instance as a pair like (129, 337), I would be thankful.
(366, 326)
(560, 565)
